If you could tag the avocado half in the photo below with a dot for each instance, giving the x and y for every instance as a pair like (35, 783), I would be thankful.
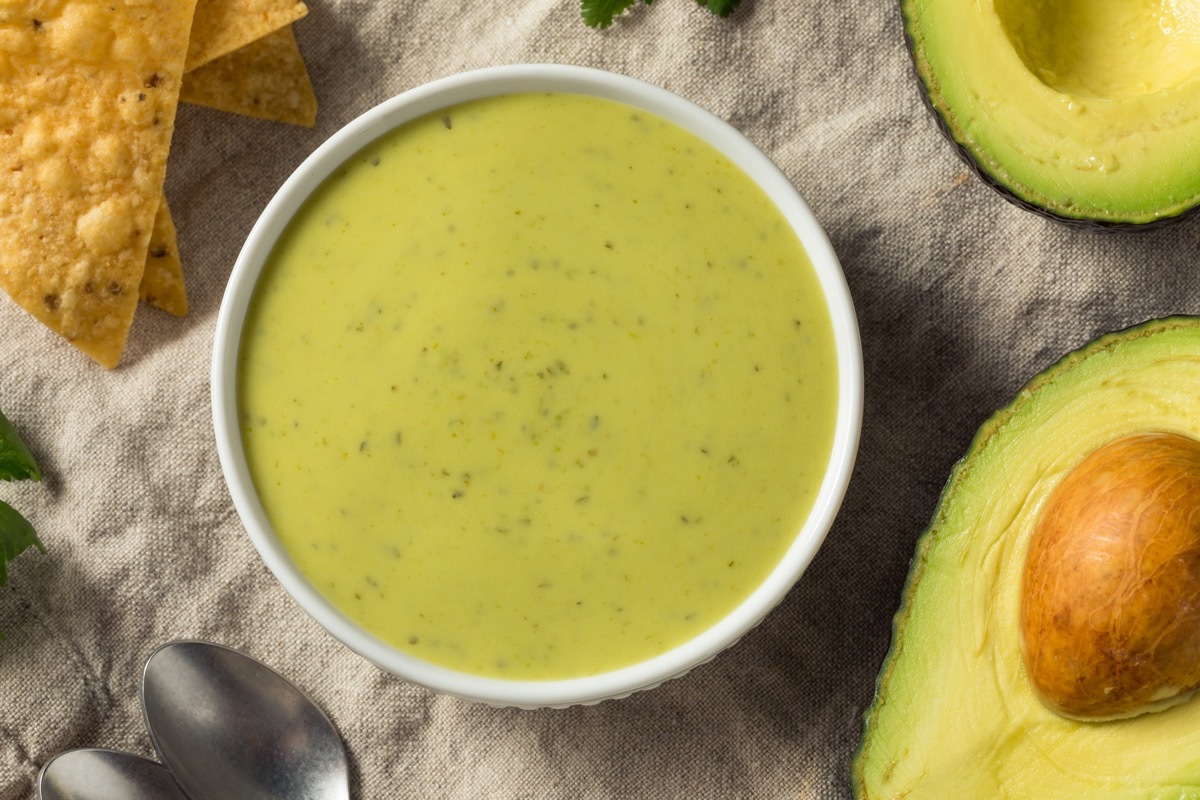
(954, 715)
(1085, 110)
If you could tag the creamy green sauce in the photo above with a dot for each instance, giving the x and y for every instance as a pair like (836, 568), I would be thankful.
(537, 387)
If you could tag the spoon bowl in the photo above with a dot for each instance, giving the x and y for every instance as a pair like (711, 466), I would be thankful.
(96, 774)
(228, 726)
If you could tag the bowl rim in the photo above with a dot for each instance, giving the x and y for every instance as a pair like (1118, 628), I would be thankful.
(486, 82)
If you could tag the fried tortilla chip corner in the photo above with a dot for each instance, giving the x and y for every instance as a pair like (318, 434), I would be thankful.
(266, 79)
(162, 283)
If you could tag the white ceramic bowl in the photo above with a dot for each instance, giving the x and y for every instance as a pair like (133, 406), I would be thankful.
(432, 97)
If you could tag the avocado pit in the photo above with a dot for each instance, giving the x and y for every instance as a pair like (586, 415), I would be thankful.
(1110, 597)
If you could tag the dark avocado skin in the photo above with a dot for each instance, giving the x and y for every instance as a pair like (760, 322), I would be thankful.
(965, 156)
(916, 566)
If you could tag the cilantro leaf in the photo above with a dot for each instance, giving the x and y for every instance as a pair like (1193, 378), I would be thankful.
(16, 462)
(16, 536)
(600, 13)
(722, 8)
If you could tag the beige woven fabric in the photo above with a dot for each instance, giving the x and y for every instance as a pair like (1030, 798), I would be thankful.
(961, 297)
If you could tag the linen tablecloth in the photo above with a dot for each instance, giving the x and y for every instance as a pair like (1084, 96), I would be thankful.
(961, 298)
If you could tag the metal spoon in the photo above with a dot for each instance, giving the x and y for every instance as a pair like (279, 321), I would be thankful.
(94, 774)
(228, 726)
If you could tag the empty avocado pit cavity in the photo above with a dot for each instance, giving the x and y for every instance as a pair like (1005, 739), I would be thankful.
(1110, 599)
(1105, 48)
(1085, 110)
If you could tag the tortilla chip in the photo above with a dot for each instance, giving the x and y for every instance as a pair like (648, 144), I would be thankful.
(222, 26)
(88, 93)
(162, 282)
(265, 79)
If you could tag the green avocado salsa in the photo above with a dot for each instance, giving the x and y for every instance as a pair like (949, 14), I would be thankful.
(538, 386)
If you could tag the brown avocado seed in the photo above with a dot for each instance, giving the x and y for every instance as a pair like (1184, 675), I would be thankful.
(1110, 596)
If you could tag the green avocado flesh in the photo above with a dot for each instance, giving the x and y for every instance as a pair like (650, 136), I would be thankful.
(954, 715)
(1086, 109)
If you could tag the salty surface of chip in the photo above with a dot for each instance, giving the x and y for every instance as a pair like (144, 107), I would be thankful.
(88, 93)
(222, 26)
(266, 79)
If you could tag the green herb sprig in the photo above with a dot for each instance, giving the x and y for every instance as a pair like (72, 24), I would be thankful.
(16, 464)
(600, 13)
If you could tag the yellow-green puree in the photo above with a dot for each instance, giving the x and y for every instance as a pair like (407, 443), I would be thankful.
(537, 387)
